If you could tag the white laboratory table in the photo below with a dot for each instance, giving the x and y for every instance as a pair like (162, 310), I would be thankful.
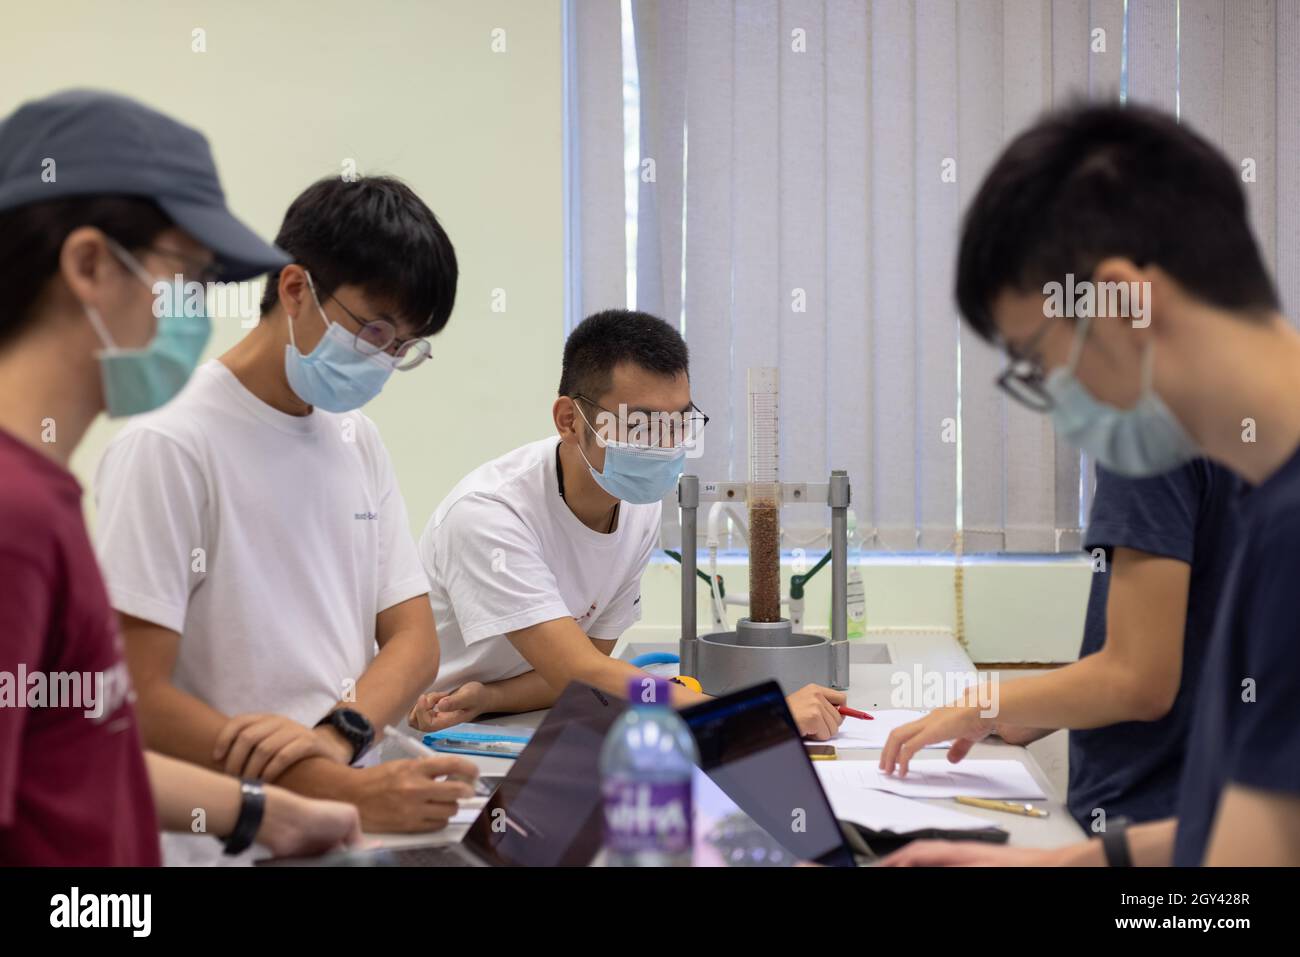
(870, 685)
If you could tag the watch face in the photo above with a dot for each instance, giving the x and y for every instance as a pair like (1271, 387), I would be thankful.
(355, 721)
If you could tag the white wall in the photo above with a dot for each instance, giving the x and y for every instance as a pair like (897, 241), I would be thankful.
(287, 91)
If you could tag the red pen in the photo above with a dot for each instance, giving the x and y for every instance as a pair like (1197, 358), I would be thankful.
(854, 713)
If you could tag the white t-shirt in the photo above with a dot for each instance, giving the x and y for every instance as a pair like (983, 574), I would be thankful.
(504, 552)
(270, 542)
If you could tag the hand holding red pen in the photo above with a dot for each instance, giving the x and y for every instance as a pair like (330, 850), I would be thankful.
(854, 713)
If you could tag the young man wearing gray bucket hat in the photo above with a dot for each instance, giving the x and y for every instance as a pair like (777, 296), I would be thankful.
(101, 196)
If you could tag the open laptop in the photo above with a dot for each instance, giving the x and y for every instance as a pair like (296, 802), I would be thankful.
(758, 800)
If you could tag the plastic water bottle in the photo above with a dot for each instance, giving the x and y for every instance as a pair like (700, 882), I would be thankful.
(645, 770)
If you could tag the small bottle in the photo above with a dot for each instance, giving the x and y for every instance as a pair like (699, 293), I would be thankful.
(645, 769)
(856, 593)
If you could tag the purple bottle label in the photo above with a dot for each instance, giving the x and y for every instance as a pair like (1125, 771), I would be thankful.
(640, 816)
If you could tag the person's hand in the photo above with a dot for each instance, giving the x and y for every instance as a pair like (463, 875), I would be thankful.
(437, 710)
(297, 826)
(265, 745)
(970, 854)
(814, 711)
(412, 795)
(962, 725)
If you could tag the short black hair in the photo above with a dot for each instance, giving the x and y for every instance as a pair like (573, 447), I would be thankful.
(32, 237)
(1088, 182)
(372, 232)
(607, 339)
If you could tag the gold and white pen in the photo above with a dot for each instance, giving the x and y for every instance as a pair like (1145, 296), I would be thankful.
(1011, 807)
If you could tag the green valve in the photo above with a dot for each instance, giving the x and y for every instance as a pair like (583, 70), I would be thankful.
(797, 582)
(677, 557)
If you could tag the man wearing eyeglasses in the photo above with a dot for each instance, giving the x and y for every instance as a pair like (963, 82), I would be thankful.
(253, 536)
(1127, 195)
(535, 559)
(1160, 545)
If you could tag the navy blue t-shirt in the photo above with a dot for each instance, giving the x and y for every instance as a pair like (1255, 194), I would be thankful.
(1132, 769)
(1247, 724)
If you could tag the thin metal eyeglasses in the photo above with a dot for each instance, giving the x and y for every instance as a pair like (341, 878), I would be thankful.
(379, 335)
(654, 429)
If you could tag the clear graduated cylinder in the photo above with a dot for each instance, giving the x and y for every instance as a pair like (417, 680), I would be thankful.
(764, 498)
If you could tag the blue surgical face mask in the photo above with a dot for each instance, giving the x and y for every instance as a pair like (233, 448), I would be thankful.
(1138, 442)
(334, 376)
(140, 380)
(636, 474)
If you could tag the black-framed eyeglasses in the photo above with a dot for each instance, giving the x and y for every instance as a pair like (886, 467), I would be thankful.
(374, 336)
(1024, 377)
(652, 429)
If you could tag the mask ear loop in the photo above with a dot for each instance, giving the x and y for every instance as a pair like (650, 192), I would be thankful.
(1148, 368)
(97, 323)
(1076, 347)
(599, 441)
(131, 263)
(593, 432)
(133, 266)
(311, 287)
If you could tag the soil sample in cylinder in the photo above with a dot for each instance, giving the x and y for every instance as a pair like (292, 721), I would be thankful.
(764, 499)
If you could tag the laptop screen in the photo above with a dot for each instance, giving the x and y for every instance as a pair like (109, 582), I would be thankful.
(761, 804)
(758, 802)
(547, 812)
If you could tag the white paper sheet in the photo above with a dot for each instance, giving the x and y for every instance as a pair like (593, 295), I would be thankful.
(889, 812)
(995, 778)
(858, 733)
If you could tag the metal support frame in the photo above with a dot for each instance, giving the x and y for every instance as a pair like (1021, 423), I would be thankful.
(688, 500)
(838, 497)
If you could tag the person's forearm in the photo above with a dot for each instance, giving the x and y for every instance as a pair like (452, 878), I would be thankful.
(1149, 845)
(1090, 693)
(182, 726)
(181, 788)
(611, 676)
(320, 778)
(526, 692)
(1020, 735)
(404, 667)
(193, 800)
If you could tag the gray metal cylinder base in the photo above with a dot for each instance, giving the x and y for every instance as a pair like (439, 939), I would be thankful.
(727, 661)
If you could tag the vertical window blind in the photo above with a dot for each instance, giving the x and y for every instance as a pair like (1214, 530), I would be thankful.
(795, 173)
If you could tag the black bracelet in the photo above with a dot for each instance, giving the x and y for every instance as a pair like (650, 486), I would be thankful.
(1114, 842)
(252, 806)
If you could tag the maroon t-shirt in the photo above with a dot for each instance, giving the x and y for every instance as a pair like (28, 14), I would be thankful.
(73, 784)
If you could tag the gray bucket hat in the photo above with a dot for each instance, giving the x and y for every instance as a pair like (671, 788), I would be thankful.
(88, 142)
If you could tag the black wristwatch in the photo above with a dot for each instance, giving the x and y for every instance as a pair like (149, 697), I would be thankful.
(252, 807)
(355, 728)
(1114, 844)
